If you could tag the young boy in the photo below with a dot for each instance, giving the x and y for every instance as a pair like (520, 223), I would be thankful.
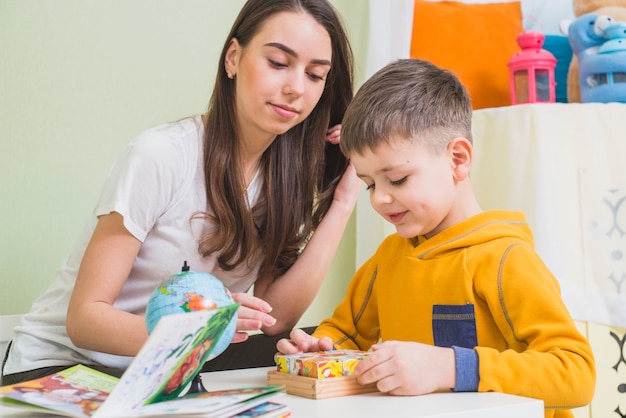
(458, 297)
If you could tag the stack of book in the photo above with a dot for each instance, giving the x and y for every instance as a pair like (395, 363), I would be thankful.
(155, 383)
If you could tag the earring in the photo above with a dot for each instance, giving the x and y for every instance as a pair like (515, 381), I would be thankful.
(229, 74)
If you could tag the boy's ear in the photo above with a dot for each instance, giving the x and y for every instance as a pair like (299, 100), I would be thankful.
(232, 57)
(460, 151)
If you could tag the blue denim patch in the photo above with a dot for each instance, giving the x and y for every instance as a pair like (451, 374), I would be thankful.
(454, 325)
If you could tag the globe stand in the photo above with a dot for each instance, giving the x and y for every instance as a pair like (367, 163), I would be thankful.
(196, 385)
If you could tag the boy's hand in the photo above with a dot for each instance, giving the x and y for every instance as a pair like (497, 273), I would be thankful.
(408, 368)
(301, 342)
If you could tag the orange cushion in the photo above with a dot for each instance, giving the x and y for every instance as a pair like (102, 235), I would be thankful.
(474, 41)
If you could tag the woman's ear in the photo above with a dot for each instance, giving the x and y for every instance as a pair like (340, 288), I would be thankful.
(460, 151)
(231, 59)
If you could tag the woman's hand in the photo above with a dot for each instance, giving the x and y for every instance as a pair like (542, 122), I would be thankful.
(348, 189)
(253, 314)
(333, 134)
(349, 186)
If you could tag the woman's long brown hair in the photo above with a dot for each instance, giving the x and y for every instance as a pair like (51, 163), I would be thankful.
(300, 169)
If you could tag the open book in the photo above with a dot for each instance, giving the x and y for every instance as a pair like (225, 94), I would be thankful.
(153, 383)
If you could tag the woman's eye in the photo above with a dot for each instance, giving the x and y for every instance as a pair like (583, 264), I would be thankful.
(317, 77)
(369, 187)
(398, 182)
(277, 64)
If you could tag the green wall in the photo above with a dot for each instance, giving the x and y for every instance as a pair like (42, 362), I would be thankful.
(78, 80)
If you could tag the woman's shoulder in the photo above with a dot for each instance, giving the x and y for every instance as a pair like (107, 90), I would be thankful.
(168, 154)
(156, 171)
(172, 149)
(171, 138)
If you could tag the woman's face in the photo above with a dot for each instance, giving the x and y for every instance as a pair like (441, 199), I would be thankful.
(280, 75)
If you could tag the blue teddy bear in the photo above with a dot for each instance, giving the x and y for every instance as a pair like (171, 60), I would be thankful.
(600, 46)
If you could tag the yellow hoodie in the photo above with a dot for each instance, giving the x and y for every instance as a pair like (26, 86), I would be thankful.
(524, 337)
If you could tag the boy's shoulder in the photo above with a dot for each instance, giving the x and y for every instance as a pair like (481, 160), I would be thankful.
(392, 247)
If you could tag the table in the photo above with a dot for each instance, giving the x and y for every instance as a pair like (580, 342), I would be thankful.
(467, 405)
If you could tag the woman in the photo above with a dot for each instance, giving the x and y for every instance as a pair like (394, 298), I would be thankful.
(252, 192)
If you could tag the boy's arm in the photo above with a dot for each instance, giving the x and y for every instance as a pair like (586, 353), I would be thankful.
(547, 358)
(339, 331)
(354, 323)
(466, 367)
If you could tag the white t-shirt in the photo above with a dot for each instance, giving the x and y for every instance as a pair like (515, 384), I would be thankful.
(157, 184)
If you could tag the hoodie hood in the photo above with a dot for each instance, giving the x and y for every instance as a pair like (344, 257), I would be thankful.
(478, 229)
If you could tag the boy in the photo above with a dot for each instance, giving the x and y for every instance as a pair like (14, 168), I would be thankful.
(458, 297)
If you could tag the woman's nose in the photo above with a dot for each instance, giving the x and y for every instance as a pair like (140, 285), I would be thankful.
(294, 84)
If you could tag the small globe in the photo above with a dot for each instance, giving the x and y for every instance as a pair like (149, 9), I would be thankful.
(191, 291)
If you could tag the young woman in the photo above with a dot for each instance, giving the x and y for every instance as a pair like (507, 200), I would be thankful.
(255, 192)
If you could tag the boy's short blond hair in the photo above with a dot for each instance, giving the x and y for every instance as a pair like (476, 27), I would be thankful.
(407, 98)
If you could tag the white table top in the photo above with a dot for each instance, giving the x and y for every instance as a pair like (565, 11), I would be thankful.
(467, 405)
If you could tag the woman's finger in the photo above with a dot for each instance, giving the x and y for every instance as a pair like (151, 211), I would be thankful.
(333, 134)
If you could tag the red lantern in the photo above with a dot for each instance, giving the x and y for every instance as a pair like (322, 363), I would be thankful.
(532, 71)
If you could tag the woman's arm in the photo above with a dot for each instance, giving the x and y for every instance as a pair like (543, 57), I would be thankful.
(292, 293)
(92, 321)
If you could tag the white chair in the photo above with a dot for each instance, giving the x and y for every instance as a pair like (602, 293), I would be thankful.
(7, 323)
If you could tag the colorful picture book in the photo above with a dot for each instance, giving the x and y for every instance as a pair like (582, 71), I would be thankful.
(154, 382)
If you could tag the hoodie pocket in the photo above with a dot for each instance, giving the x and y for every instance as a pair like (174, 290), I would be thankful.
(454, 325)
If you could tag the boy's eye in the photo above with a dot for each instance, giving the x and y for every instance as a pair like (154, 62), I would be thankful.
(369, 187)
(397, 182)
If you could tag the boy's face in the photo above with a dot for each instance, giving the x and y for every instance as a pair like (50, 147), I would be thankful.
(410, 186)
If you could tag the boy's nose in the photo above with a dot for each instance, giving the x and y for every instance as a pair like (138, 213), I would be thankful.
(380, 197)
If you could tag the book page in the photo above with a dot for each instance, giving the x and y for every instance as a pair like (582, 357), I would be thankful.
(77, 392)
(223, 403)
(171, 357)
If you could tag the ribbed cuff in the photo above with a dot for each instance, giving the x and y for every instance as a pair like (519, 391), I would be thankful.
(466, 364)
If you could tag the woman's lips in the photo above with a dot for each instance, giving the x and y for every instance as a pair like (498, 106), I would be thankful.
(285, 111)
